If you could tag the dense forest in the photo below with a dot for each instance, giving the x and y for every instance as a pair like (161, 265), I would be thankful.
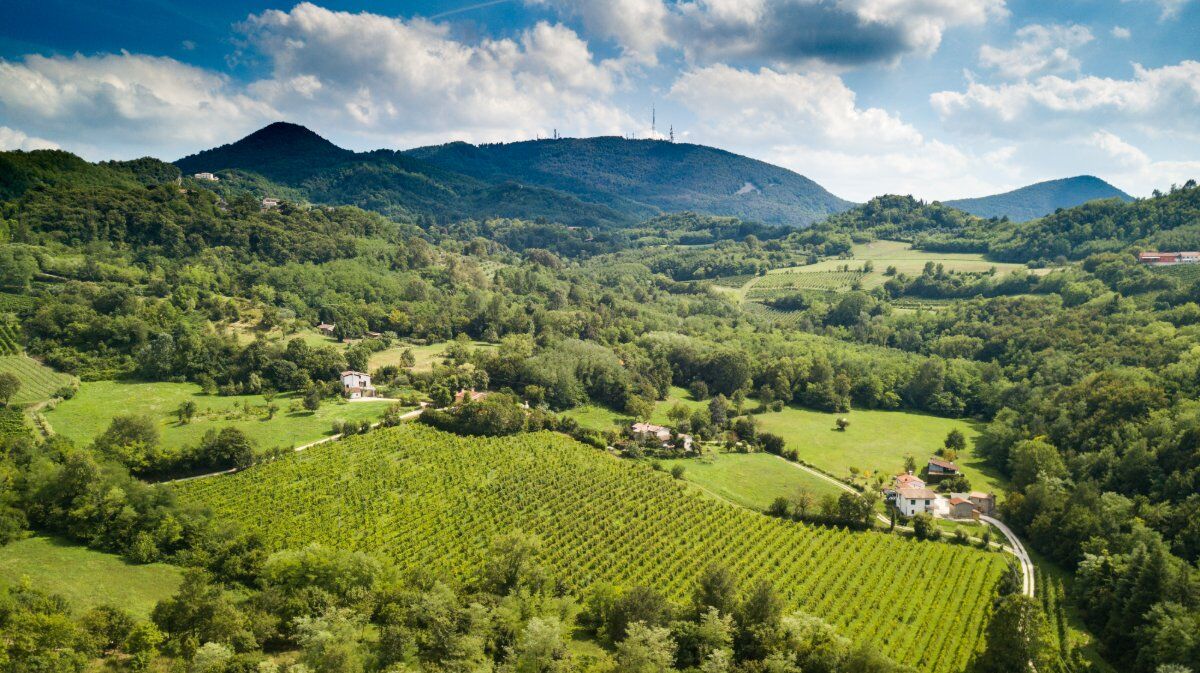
(1085, 379)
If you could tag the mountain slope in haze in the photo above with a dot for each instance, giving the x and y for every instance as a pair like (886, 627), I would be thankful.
(1040, 199)
(647, 177)
(386, 181)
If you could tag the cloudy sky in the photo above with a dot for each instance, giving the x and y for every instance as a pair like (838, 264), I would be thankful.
(936, 98)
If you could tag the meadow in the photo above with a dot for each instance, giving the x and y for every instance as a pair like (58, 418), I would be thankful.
(597, 417)
(425, 355)
(751, 480)
(87, 578)
(875, 441)
(435, 501)
(38, 382)
(88, 414)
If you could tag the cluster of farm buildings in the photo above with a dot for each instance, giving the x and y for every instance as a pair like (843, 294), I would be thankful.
(911, 496)
(1168, 258)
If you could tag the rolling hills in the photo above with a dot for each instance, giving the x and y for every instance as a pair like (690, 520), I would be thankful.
(594, 182)
(434, 501)
(1040, 199)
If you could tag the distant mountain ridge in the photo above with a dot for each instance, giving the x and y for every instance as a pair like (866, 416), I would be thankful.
(604, 181)
(1040, 199)
(647, 177)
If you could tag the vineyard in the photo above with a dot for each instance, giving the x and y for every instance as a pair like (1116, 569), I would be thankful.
(776, 316)
(434, 501)
(790, 281)
(15, 303)
(38, 382)
(1184, 272)
(10, 338)
(12, 424)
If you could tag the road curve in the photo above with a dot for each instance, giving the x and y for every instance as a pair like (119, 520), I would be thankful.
(1018, 550)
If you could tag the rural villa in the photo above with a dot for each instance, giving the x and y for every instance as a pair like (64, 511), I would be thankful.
(650, 431)
(208, 177)
(357, 385)
(910, 497)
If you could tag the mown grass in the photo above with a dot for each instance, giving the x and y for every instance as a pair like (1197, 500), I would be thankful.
(751, 480)
(425, 356)
(85, 577)
(88, 414)
(875, 441)
(38, 382)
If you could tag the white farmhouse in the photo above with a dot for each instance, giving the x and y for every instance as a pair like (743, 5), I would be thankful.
(208, 177)
(268, 203)
(911, 501)
(356, 385)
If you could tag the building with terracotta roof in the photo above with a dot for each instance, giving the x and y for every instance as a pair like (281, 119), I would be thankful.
(912, 501)
(357, 385)
(939, 468)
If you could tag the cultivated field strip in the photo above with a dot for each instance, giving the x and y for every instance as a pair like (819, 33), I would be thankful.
(435, 501)
(824, 281)
(38, 381)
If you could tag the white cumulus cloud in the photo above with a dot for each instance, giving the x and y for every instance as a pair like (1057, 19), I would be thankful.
(1166, 99)
(12, 139)
(409, 82)
(1037, 50)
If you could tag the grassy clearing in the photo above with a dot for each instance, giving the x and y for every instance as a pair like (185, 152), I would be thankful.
(88, 414)
(596, 417)
(751, 480)
(425, 356)
(85, 577)
(883, 254)
(38, 382)
(875, 441)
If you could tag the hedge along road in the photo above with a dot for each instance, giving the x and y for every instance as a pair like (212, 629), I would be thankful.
(1016, 548)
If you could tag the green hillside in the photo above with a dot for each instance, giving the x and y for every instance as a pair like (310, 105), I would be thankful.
(434, 501)
(641, 177)
(1040, 199)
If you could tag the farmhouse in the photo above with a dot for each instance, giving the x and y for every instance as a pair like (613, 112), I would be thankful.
(268, 203)
(984, 502)
(1168, 258)
(644, 431)
(356, 385)
(326, 328)
(960, 508)
(209, 177)
(912, 501)
(469, 396)
(907, 480)
(939, 468)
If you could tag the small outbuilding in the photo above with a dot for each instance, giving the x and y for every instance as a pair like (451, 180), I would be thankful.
(939, 468)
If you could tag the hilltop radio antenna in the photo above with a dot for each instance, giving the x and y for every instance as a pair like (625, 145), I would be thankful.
(672, 133)
(653, 121)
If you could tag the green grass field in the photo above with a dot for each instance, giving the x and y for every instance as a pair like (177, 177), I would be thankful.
(875, 440)
(827, 274)
(596, 417)
(88, 414)
(85, 577)
(436, 501)
(425, 356)
(38, 382)
(751, 480)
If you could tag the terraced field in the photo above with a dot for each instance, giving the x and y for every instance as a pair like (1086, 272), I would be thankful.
(9, 339)
(38, 382)
(435, 501)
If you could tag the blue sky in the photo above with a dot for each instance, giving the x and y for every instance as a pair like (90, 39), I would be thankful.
(937, 98)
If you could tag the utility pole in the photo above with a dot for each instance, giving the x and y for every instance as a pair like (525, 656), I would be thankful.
(672, 133)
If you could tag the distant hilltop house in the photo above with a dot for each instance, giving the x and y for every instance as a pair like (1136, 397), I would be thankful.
(209, 177)
(1168, 258)
(326, 328)
(470, 396)
(356, 385)
(268, 203)
(644, 431)
(939, 468)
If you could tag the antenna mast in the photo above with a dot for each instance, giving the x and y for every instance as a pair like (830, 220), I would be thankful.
(672, 133)
(653, 121)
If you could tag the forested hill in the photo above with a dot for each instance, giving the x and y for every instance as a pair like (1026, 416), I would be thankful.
(1040, 199)
(641, 177)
